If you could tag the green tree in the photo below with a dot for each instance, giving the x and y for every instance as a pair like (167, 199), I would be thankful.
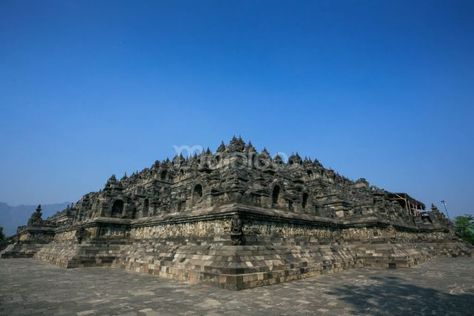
(2, 235)
(464, 226)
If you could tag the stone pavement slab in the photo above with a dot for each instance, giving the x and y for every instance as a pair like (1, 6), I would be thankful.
(442, 286)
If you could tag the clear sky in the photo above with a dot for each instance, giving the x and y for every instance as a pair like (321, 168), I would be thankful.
(376, 89)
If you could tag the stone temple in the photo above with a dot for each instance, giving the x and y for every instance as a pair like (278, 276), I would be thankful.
(237, 219)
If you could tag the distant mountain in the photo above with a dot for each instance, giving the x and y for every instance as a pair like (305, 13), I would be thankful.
(13, 216)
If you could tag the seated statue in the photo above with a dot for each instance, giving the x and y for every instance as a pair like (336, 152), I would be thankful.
(236, 233)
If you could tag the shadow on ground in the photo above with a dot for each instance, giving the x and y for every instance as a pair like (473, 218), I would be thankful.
(392, 296)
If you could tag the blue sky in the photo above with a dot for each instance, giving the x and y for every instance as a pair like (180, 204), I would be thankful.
(376, 89)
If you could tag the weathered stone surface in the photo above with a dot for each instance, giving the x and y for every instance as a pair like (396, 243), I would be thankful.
(239, 219)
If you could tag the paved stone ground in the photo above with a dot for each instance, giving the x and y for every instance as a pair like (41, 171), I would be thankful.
(443, 286)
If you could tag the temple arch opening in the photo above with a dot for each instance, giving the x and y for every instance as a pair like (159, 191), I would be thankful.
(163, 175)
(197, 192)
(304, 202)
(117, 208)
(275, 195)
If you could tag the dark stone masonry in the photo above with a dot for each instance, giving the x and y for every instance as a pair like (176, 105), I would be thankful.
(237, 219)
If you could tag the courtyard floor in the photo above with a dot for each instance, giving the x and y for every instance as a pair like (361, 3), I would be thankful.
(442, 286)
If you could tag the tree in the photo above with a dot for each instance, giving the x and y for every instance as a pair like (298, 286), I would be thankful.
(464, 227)
(2, 235)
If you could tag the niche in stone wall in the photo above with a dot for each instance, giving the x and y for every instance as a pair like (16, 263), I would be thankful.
(275, 195)
(197, 193)
(181, 205)
(134, 213)
(318, 211)
(163, 175)
(117, 208)
(304, 202)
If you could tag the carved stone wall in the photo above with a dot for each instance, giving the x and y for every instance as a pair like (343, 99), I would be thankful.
(238, 218)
